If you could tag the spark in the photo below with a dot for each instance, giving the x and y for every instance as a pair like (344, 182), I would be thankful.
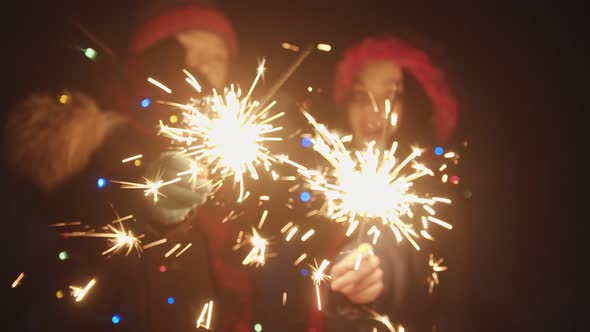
(291, 233)
(290, 47)
(184, 249)
(425, 235)
(317, 277)
(17, 282)
(352, 174)
(435, 264)
(264, 198)
(441, 200)
(375, 232)
(190, 79)
(357, 264)
(171, 251)
(393, 120)
(131, 158)
(159, 85)
(65, 224)
(149, 187)
(429, 209)
(80, 292)
(307, 235)
(300, 259)
(286, 227)
(449, 155)
(440, 222)
(284, 298)
(119, 238)
(257, 254)
(155, 243)
(324, 47)
(118, 220)
(262, 219)
(207, 309)
(383, 319)
(230, 216)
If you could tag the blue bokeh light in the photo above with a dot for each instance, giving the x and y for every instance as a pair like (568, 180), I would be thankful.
(171, 300)
(305, 196)
(146, 102)
(304, 273)
(115, 319)
(439, 151)
(101, 182)
(306, 142)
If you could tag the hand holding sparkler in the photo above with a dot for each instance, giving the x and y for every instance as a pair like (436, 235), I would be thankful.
(360, 283)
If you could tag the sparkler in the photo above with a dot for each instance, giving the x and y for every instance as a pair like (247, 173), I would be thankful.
(370, 185)
(228, 132)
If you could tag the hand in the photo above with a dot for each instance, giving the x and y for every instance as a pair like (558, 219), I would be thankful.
(362, 286)
(181, 197)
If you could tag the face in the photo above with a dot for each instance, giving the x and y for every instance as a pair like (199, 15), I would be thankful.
(375, 84)
(206, 53)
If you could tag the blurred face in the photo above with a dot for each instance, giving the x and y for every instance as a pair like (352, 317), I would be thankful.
(207, 54)
(375, 84)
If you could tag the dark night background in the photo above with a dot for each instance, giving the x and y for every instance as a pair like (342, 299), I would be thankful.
(518, 70)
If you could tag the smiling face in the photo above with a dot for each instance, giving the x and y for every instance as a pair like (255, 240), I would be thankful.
(375, 84)
(207, 53)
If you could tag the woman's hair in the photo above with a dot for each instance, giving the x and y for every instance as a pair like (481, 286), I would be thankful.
(416, 64)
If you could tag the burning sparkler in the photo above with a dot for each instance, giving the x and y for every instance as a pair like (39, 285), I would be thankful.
(370, 185)
(228, 132)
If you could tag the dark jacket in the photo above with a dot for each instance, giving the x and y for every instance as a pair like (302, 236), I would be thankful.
(57, 153)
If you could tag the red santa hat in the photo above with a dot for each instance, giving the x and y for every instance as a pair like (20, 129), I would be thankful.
(176, 19)
(416, 62)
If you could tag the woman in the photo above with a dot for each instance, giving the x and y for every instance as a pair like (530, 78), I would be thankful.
(68, 148)
(371, 73)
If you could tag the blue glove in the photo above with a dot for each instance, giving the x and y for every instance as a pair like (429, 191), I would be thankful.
(180, 197)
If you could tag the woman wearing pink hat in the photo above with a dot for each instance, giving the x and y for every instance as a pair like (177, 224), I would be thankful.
(392, 281)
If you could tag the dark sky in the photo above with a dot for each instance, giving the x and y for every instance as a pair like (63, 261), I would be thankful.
(518, 71)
